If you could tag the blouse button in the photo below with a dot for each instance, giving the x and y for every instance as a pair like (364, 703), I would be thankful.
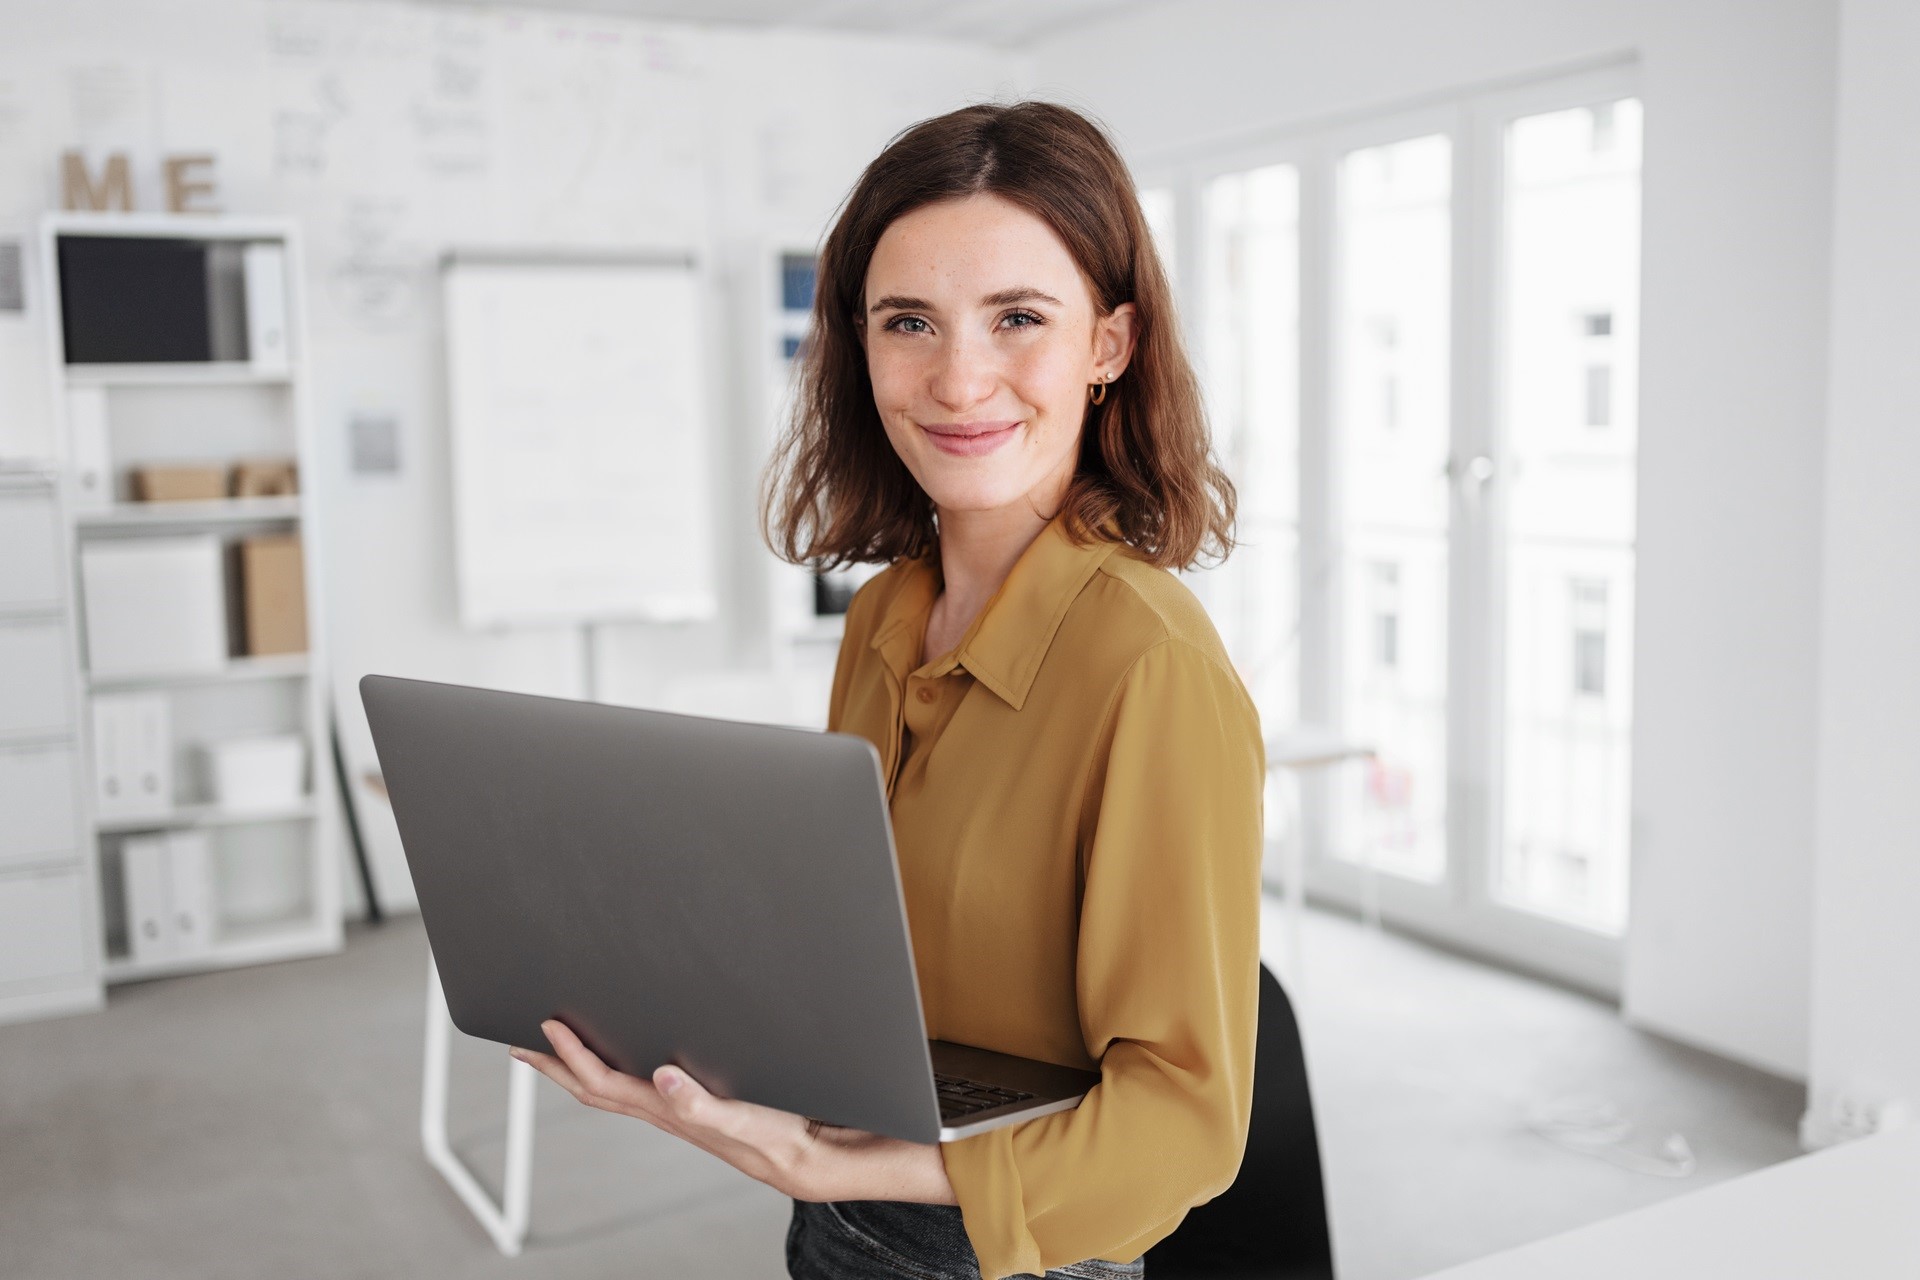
(925, 694)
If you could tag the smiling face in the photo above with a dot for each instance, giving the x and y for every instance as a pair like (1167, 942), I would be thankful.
(982, 341)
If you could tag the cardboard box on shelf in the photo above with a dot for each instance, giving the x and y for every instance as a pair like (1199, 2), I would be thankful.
(176, 483)
(274, 594)
(265, 478)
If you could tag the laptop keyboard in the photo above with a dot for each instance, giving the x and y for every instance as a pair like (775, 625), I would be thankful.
(961, 1097)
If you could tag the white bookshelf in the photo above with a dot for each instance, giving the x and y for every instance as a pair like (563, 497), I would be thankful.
(208, 815)
(272, 873)
(210, 373)
(278, 666)
(50, 953)
(778, 319)
(236, 945)
(213, 511)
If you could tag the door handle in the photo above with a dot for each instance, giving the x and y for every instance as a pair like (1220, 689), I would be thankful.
(1471, 477)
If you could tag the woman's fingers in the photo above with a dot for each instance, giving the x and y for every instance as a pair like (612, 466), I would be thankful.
(701, 1112)
(552, 1068)
(783, 1150)
(678, 1090)
(749, 1136)
(601, 1085)
(762, 1142)
(585, 1064)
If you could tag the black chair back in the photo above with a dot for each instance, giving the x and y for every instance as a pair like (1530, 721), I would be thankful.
(1271, 1224)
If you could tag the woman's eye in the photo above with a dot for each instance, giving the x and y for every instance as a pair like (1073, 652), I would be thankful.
(895, 324)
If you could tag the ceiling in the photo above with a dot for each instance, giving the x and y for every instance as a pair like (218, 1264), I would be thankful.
(1005, 24)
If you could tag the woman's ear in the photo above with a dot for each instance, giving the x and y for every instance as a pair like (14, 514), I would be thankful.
(1114, 336)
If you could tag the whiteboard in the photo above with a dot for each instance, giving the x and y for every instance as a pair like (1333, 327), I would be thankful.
(579, 441)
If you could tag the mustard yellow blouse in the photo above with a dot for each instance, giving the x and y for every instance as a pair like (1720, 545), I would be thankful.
(1076, 797)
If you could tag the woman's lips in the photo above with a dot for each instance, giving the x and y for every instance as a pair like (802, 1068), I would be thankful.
(970, 440)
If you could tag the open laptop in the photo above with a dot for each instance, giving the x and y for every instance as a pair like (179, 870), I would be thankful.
(718, 895)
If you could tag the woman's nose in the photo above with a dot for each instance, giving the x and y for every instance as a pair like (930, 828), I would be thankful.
(964, 374)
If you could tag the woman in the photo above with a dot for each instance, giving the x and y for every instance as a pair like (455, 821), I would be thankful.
(996, 404)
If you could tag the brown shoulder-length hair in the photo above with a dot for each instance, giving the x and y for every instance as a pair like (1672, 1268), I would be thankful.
(836, 493)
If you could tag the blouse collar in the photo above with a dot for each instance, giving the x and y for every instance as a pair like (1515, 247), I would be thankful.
(1004, 646)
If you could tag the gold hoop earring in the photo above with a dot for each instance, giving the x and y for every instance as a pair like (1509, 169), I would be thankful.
(1097, 392)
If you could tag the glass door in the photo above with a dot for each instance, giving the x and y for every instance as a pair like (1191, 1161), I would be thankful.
(1569, 326)
(1251, 373)
(1390, 512)
(1417, 336)
(1488, 268)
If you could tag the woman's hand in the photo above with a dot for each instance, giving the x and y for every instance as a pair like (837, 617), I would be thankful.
(797, 1157)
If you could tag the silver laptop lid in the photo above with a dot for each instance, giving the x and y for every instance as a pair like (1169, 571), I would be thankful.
(719, 895)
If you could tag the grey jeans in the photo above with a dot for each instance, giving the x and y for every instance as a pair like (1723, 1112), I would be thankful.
(898, 1240)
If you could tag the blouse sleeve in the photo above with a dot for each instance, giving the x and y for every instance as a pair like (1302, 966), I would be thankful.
(1167, 982)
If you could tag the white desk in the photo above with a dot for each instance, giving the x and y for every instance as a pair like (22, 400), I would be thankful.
(1851, 1212)
(1290, 753)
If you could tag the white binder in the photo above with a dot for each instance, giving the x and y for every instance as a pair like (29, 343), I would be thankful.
(132, 755)
(89, 456)
(150, 934)
(189, 896)
(264, 270)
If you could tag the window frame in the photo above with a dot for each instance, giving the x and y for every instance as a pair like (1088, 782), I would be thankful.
(1461, 910)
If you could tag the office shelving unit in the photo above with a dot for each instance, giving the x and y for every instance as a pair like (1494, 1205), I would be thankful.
(127, 515)
(780, 300)
(274, 878)
(49, 937)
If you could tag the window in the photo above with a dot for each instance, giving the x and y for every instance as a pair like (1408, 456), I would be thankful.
(1249, 366)
(1599, 397)
(1391, 439)
(1589, 637)
(1386, 616)
(1600, 127)
(1570, 304)
(1435, 453)
(1156, 205)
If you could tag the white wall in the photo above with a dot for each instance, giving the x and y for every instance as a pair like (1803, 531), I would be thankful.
(1866, 969)
(394, 131)
(1739, 103)
(1737, 228)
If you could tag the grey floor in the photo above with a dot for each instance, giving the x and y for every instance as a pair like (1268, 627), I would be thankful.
(263, 1122)
(1424, 1066)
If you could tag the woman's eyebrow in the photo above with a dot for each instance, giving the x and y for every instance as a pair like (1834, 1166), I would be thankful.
(1004, 298)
